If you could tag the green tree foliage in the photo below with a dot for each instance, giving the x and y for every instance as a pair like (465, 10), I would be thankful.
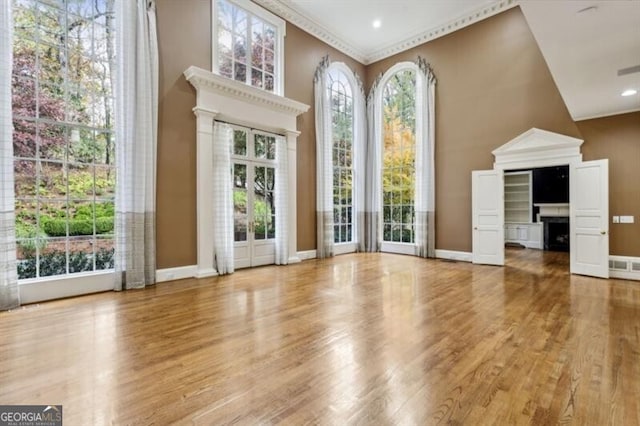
(398, 168)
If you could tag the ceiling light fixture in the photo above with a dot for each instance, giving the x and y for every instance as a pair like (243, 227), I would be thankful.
(629, 92)
(377, 23)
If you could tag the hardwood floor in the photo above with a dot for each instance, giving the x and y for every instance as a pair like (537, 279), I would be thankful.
(357, 339)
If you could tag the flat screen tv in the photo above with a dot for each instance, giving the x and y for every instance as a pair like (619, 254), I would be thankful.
(551, 185)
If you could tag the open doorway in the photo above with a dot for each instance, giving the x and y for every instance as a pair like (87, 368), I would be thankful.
(588, 206)
(536, 215)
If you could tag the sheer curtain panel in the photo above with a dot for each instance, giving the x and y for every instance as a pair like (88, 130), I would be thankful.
(222, 198)
(9, 295)
(324, 165)
(360, 160)
(425, 160)
(282, 201)
(373, 184)
(136, 83)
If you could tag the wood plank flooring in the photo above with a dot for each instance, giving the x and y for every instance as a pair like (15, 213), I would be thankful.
(357, 339)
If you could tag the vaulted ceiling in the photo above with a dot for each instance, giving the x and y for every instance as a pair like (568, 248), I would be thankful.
(585, 43)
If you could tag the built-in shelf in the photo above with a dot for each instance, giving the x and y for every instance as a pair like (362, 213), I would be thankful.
(517, 197)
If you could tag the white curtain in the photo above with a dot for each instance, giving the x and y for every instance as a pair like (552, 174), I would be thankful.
(425, 160)
(136, 90)
(9, 296)
(282, 202)
(360, 160)
(222, 198)
(373, 184)
(324, 162)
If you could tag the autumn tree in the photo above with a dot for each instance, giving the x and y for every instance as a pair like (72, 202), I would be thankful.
(398, 168)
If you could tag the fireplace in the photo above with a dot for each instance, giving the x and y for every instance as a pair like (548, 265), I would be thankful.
(556, 233)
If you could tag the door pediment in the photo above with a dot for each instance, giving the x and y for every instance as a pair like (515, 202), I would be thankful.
(538, 148)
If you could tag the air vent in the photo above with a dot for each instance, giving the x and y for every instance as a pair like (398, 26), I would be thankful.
(618, 265)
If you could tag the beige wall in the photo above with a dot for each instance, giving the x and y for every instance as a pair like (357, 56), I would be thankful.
(493, 84)
(184, 39)
(618, 139)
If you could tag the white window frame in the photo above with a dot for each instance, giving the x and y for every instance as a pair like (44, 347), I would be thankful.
(389, 246)
(278, 23)
(348, 246)
(69, 284)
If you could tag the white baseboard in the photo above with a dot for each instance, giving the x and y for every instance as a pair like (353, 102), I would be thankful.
(625, 267)
(306, 255)
(462, 256)
(170, 274)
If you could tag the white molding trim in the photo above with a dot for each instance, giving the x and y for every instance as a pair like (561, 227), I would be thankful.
(58, 287)
(608, 114)
(204, 80)
(307, 255)
(628, 273)
(286, 11)
(537, 148)
(177, 273)
(462, 256)
(220, 98)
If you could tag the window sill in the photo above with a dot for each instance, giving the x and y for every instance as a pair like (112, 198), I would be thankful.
(47, 288)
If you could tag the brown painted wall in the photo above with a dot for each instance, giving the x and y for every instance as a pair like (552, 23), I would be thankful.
(184, 39)
(493, 84)
(618, 139)
(303, 53)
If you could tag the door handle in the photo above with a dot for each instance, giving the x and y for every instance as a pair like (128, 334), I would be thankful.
(475, 228)
(603, 232)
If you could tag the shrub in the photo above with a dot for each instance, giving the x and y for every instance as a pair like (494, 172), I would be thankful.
(58, 227)
(29, 237)
(55, 263)
(104, 259)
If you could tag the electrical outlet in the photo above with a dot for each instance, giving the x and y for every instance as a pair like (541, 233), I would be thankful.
(616, 219)
(626, 219)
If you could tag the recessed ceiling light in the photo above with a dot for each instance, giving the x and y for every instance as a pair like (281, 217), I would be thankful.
(377, 23)
(629, 92)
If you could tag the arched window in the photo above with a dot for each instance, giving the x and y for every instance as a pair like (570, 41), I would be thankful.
(340, 159)
(341, 101)
(400, 191)
(399, 157)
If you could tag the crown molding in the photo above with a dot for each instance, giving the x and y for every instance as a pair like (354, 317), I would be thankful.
(449, 27)
(287, 13)
(279, 7)
(202, 79)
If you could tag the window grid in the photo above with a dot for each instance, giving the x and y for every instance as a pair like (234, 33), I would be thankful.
(63, 142)
(342, 142)
(253, 157)
(245, 46)
(398, 170)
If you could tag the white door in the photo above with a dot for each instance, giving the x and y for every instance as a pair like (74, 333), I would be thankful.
(487, 206)
(253, 198)
(589, 218)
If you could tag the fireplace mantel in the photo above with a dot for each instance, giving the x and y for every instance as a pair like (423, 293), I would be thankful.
(220, 98)
(553, 209)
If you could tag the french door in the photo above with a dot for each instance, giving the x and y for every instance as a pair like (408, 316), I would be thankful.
(254, 213)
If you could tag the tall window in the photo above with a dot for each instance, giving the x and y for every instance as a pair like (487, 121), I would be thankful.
(341, 99)
(398, 157)
(63, 135)
(248, 44)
